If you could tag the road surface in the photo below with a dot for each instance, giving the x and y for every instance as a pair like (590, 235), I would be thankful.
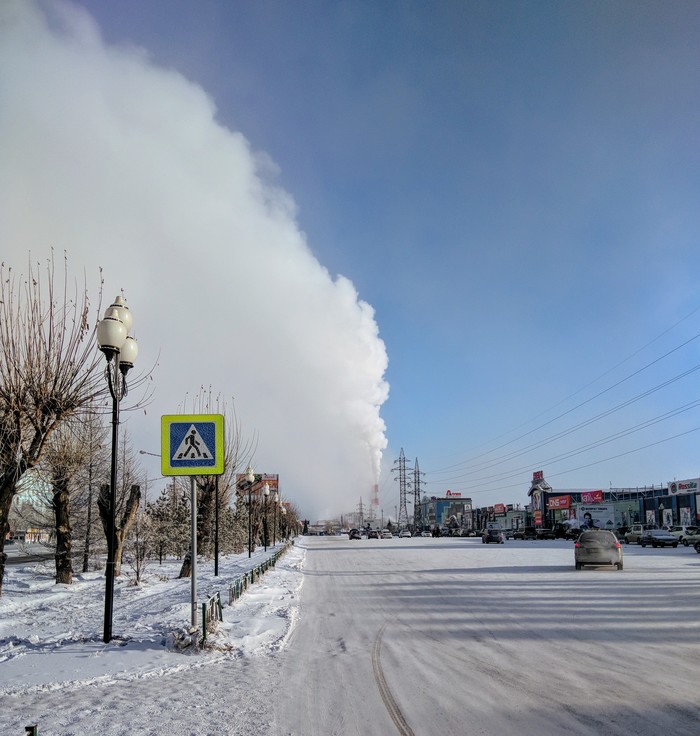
(449, 636)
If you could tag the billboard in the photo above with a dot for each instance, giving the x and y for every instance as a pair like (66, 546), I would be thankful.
(598, 516)
(676, 487)
(559, 502)
(592, 496)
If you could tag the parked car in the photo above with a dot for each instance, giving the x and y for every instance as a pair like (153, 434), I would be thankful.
(634, 533)
(658, 538)
(354, 534)
(692, 539)
(426, 534)
(386, 534)
(597, 547)
(525, 532)
(493, 535)
(546, 534)
(404, 533)
(372, 534)
(683, 531)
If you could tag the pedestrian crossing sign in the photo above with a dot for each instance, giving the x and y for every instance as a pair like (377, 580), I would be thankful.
(192, 444)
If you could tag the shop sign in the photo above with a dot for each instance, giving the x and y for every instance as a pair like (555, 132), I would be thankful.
(683, 486)
(538, 475)
(453, 494)
(559, 502)
(592, 497)
(499, 508)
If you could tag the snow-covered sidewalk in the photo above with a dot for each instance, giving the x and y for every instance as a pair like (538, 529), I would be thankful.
(51, 635)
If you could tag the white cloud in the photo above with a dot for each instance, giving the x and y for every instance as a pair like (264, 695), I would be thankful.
(123, 165)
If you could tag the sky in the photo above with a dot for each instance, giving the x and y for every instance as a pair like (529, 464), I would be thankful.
(464, 230)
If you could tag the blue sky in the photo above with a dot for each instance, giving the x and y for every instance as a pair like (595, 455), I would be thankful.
(512, 186)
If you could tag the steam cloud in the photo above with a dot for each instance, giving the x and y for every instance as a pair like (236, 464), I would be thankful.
(123, 165)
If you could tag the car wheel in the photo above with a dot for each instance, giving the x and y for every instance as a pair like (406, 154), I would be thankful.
(642, 544)
(674, 545)
(578, 565)
(619, 566)
(697, 547)
(686, 542)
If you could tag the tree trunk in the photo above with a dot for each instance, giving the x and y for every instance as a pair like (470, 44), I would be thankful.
(64, 540)
(86, 551)
(122, 529)
(6, 496)
(186, 569)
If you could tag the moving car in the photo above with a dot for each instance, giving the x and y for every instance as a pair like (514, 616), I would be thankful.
(372, 534)
(658, 538)
(386, 534)
(597, 547)
(493, 535)
(354, 534)
(525, 532)
(404, 533)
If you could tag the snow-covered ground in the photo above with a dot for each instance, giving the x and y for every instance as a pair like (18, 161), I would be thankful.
(411, 637)
(51, 635)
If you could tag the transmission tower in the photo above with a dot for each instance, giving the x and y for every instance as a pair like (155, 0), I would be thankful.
(361, 514)
(417, 513)
(400, 468)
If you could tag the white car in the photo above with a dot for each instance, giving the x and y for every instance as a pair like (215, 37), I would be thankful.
(683, 531)
(386, 534)
(404, 533)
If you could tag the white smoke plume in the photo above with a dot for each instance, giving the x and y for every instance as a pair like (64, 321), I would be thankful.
(124, 165)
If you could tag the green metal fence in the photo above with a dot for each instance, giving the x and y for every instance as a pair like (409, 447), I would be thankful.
(240, 584)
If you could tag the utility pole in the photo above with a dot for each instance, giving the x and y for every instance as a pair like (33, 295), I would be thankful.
(400, 468)
(417, 509)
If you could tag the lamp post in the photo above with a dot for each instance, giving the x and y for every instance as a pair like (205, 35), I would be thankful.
(275, 503)
(266, 495)
(250, 477)
(283, 520)
(120, 350)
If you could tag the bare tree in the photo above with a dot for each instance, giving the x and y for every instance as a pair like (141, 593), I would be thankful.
(128, 498)
(66, 453)
(49, 370)
(123, 524)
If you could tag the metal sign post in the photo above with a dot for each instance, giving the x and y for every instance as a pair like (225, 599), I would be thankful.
(193, 573)
(192, 444)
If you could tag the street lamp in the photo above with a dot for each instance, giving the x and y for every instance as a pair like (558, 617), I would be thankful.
(275, 503)
(120, 350)
(266, 494)
(283, 519)
(250, 477)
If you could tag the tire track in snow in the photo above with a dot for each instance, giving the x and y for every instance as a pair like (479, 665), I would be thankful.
(384, 691)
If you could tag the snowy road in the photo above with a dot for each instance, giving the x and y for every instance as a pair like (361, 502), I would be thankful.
(373, 637)
(448, 636)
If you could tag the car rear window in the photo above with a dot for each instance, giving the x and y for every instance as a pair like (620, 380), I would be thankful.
(601, 536)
